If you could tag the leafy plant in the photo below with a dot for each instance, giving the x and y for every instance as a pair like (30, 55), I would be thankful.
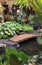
(27, 28)
(37, 5)
(0, 17)
(12, 56)
(1, 7)
(9, 29)
(14, 60)
(21, 2)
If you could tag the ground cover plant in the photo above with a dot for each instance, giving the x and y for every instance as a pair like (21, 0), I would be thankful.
(9, 29)
(12, 56)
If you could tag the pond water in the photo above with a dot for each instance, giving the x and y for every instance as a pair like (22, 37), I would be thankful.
(31, 47)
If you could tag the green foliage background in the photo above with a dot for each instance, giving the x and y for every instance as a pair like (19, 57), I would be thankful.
(37, 5)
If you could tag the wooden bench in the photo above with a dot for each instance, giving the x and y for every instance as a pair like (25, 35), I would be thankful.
(23, 37)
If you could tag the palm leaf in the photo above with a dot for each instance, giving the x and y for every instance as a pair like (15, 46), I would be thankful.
(37, 7)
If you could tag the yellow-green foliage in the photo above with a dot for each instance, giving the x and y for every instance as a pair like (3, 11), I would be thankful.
(21, 2)
(37, 5)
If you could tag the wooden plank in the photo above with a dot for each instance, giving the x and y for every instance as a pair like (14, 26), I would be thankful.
(20, 38)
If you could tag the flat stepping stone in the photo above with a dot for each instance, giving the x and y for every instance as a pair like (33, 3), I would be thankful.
(3, 45)
(10, 44)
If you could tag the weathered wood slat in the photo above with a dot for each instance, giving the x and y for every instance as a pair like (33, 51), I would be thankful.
(20, 38)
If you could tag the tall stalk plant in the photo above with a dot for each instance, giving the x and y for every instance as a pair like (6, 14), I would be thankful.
(37, 5)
